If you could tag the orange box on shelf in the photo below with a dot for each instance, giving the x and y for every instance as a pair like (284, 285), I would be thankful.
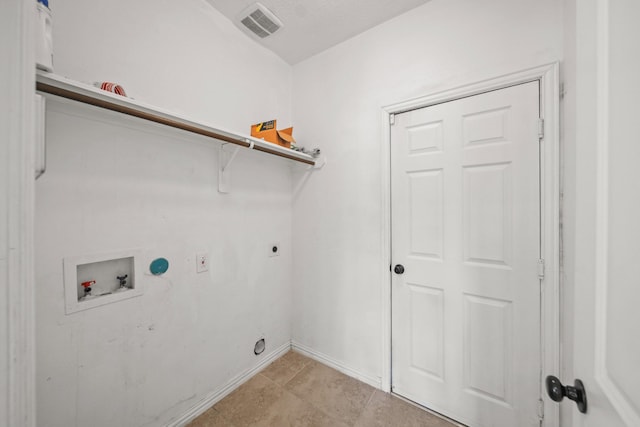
(268, 132)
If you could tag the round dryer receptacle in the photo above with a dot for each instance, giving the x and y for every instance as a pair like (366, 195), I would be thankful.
(259, 347)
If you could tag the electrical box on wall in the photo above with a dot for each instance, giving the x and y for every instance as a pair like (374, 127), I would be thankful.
(94, 280)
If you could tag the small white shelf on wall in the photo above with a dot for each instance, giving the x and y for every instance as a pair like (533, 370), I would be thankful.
(52, 84)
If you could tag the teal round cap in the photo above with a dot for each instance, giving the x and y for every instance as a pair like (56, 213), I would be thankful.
(159, 266)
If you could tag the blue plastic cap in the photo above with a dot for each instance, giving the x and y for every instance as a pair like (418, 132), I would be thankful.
(44, 2)
(159, 266)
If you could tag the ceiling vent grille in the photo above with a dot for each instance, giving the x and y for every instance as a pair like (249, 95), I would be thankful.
(260, 21)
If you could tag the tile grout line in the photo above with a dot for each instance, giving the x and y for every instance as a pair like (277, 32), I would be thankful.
(322, 411)
(364, 407)
(370, 397)
(296, 374)
(342, 421)
(288, 367)
(303, 399)
(310, 364)
(305, 364)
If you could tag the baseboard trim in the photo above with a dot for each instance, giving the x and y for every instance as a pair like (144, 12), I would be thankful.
(336, 364)
(217, 395)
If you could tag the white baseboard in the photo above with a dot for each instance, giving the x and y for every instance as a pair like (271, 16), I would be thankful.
(217, 395)
(337, 365)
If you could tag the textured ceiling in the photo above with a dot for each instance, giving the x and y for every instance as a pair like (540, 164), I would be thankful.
(311, 26)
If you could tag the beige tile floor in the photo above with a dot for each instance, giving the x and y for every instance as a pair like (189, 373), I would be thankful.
(298, 391)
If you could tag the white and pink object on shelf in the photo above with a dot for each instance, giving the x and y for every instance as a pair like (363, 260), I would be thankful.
(111, 87)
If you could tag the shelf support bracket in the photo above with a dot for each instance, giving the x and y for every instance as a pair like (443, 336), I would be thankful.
(225, 159)
(228, 161)
(41, 139)
(320, 162)
(306, 173)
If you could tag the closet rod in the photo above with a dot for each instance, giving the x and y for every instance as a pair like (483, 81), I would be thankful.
(150, 116)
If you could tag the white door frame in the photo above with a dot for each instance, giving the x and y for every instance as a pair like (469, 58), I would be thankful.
(548, 76)
(17, 306)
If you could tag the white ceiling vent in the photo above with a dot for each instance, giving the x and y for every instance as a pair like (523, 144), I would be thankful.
(260, 21)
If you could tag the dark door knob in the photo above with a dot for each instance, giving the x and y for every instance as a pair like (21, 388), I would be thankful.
(399, 269)
(577, 393)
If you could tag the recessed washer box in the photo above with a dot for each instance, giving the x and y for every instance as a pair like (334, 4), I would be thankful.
(105, 275)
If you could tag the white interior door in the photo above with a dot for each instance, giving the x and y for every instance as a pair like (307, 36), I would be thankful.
(466, 229)
(607, 271)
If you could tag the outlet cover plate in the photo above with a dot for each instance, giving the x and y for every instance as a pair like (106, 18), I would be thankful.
(202, 262)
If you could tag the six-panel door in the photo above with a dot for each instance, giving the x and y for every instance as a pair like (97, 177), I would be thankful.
(466, 227)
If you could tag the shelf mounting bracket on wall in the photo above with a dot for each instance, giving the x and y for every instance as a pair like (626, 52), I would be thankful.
(319, 164)
(306, 173)
(224, 163)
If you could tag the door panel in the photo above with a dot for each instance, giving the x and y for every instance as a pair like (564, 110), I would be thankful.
(607, 244)
(465, 224)
(486, 367)
(487, 214)
(427, 322)
(425, 204)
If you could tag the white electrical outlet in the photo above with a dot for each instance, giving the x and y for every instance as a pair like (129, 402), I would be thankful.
(202, 262)
(274, 249)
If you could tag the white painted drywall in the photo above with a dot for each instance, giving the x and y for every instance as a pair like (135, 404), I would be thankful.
(337, 103)
(116, 183)
(183, 56)
(17, 311)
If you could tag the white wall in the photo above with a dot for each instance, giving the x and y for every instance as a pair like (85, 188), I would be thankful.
(180, 55)
(17, 311)
(117, 183)
(338, 96)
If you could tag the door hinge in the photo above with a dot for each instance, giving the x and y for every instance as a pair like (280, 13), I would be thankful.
(541, 269)
(540, 409)
(541, 128)
(392, 119)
